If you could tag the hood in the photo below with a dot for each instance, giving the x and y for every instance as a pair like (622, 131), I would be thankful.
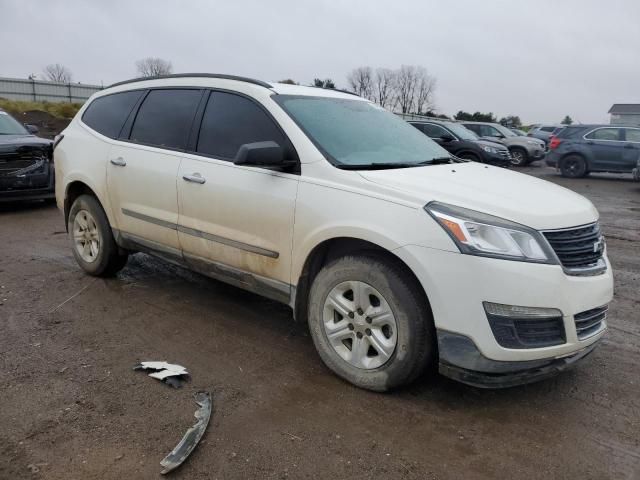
(24, 139)
(497, 191)
(491, 143)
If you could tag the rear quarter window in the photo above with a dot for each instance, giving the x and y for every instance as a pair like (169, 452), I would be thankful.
(106, 115)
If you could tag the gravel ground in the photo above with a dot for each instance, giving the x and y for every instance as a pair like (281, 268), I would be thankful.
(72, 407)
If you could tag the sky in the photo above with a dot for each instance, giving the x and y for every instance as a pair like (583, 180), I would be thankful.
(539, 59)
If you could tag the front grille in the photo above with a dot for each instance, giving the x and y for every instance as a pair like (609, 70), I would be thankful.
(18, 163)
(590, 321)
(526, 332)
(580, 247)
(504, 154)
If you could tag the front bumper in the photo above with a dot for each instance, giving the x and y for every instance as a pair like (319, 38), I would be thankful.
(536, 153)
(39, 186)
(457, 284)
(461, 360)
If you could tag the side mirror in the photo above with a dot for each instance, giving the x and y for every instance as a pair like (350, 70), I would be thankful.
(447, 138)
(31, 128)
(260, 154)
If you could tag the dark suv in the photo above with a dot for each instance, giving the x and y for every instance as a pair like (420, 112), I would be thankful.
(580, 149)
(26, 166)
(463, 143)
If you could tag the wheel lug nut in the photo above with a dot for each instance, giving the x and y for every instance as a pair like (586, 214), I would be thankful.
(368, 319)
(351, 315)
(359, 334)
(368, 331)
(351, 326)
(360, 312)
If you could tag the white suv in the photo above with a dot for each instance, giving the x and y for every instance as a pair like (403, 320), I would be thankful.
(399, 259)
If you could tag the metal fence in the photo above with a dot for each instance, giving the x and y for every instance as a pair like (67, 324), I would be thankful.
(41, 90)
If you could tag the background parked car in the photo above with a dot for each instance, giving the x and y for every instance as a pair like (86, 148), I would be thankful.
(517, 131)
(580, 149)
(26, 163)
(463, 143)
(523, 150)
(543, 132)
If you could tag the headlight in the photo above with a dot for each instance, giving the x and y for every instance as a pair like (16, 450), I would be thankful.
(488, 149)
(531, 142)
(484, 235)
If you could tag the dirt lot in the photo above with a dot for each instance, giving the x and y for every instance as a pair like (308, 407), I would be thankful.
(71, 406)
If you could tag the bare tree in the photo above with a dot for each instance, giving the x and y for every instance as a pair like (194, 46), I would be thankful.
(57, 73)
(406, 85)
(425, 88)
(361, 82)
(153, 67)
(383, 86)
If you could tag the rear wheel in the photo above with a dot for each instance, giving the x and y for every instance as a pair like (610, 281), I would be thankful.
(94, 247)
(370, 324)
(519, 157)
(573, 166)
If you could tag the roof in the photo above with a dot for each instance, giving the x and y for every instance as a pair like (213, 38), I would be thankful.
(625, 108)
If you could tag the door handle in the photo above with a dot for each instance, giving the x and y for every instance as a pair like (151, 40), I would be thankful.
(195, 178)
(629, 146)
(118, 162)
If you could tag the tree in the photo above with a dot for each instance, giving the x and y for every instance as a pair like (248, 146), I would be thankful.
(511, 121)
(406, 81)
(57, 73)
(361, 82)
(326, 83)
(567, 120)
(153, 67)
(476, 117)
(384, 84)
(288, 81)
(425, 88)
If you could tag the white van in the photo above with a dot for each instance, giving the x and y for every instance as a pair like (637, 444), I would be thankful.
(400, 257)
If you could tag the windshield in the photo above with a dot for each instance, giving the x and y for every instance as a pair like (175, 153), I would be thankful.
(505, 131)
(358, 133)
(461, 131)
(10, 126)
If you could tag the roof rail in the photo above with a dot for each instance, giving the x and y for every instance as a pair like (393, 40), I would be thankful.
(415, 116)
(197, 75)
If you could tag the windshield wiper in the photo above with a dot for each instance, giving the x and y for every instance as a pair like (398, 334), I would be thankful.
(377, 166)
(390, 165)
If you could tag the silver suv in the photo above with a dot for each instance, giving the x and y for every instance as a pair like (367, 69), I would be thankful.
(523, 150)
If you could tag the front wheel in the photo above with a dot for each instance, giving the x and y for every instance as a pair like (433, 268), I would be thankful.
(370, 323)
(94, 247)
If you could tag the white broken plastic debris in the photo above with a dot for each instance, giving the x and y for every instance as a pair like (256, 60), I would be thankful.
(165, 372)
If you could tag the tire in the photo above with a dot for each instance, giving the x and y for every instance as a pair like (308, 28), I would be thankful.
(519, 157)
(573, 166)
(91, 237)
(404, 342)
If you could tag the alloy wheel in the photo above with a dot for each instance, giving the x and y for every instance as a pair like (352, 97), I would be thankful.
(360, 325)
(86, 236)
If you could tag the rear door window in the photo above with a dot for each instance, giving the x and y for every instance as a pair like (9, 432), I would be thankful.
(632, 135)
(474, 128)
(610, 134)
(548, 129)
(230, 121)
(164, 118)
(106, 115)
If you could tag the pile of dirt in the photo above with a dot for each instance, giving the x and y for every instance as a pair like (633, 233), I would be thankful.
(48, 125)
